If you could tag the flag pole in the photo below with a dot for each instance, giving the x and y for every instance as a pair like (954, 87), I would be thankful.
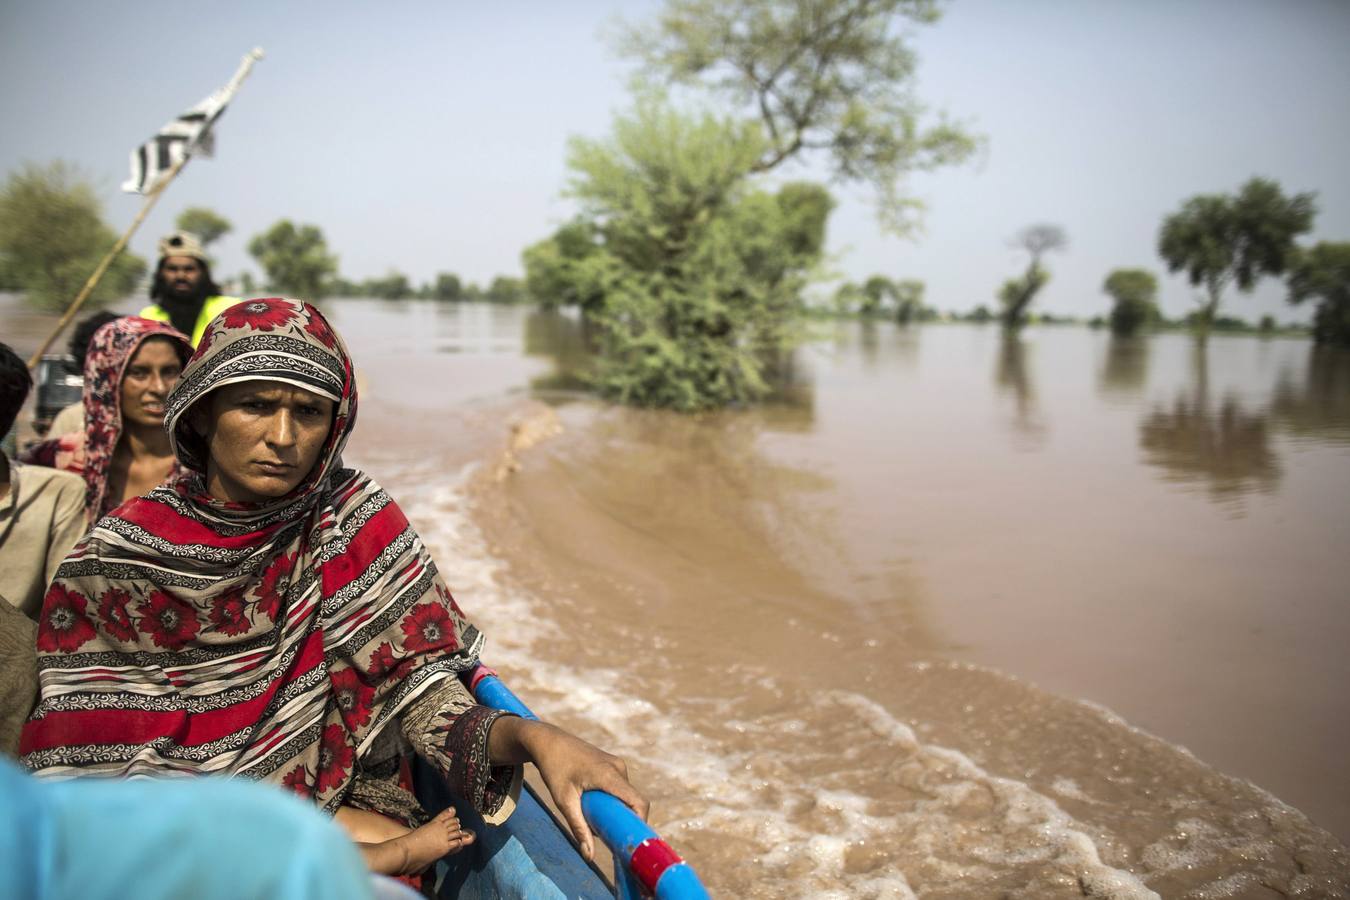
(244, 68)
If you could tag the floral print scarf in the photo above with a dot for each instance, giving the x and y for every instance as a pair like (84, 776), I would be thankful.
(185, 634)
(89, 453)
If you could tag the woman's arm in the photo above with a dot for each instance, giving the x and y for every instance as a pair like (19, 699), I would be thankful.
(479, 751)
(450, 731)
(568, 766)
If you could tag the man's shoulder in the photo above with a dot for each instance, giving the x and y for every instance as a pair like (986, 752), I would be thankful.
(68, 420)
(220, 303)
(41, 480)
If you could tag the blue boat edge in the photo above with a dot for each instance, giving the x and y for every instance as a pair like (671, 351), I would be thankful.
(531, 854)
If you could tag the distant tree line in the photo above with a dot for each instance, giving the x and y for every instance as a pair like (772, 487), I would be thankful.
(446, 287)
(1219, 241)
(52, 236)
(879, 296)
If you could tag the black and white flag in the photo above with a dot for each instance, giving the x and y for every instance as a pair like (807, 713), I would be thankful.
(186, 135)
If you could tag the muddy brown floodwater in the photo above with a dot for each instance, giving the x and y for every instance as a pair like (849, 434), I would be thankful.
(960, 616)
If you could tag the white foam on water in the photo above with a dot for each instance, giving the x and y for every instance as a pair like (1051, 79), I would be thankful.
(1030, 829)
(1069, 789)
(1033, 828)
(660, 740)
(958, 824)
(942, 822)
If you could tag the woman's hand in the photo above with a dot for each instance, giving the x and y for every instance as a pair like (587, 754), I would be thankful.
(568, 766)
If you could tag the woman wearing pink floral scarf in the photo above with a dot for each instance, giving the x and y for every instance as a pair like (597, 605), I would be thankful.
(123, 451)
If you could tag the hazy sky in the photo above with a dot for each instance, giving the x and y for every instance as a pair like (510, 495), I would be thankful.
(432, 136)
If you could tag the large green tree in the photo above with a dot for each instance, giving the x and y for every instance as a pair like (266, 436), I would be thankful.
(52, 237)
(691, 269)
(695, 276)
(1223, 239)
(208, 225)
(1134, 293)
(1016, 294)
(1323, 273)
(296, 259)
(827, 78)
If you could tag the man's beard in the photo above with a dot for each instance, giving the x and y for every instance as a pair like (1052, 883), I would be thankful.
(185, 293)
(182, 308)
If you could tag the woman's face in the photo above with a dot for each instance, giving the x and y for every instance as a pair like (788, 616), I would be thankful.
(151, 374)
(263, 438)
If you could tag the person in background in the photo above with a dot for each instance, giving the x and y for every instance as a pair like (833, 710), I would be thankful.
(276, 616)
(41, 511)
(41, 518)
(71, 419)
(183, 293)
(122, 451)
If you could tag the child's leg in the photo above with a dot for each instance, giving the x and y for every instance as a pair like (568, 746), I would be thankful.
(366, 827)
(405, 851)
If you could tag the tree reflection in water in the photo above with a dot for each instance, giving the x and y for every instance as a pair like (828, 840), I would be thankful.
(567, 340)
(1221, 446)
(1125, 367)
(1011, 374)
(1319, 410)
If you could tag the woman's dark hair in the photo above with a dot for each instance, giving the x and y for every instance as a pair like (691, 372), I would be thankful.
(208, 286)
(84, 333)
(15, 383)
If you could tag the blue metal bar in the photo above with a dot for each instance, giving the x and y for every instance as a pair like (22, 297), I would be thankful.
(618, 826)
(492, 691)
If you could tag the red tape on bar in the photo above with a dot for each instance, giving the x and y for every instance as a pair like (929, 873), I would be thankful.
(651, 858)
(479, 673)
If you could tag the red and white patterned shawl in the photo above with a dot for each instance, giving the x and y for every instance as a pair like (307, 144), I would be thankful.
(89, 453)
(273, 640)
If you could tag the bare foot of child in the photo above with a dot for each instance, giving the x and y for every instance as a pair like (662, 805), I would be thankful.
(418, 848)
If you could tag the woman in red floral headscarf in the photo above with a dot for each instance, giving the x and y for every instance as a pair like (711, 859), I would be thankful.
(124, 451)
(272, 614)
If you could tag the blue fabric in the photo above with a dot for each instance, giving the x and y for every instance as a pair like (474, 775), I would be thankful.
(206, 838)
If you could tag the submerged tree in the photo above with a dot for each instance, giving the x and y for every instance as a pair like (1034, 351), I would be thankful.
(693, 276)
(909, 301)
(447, 287)
(296, 260)
(1016, 294)
(824, 77)
(557, 272)
(393, 286)
(208, 225)
(52, 237)
(875, 291)
(1324, 273)
(848, 298)
(1220, 239)
(691, 272)
(901, 300)
(1133, 292)
(505, 289)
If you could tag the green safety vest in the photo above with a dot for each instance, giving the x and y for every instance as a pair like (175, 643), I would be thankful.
(213, 307)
